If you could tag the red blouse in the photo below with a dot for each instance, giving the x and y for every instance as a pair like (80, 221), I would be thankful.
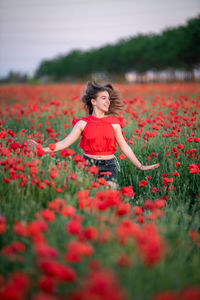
(98, 136)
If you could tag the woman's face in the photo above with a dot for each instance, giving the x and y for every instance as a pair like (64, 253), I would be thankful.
(102, 101)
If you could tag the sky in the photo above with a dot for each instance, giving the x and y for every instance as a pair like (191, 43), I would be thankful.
(34, 30)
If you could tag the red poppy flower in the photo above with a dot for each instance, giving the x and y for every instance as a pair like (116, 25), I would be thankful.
(143, 183)
(52, 147)
(122, 157)
(93, 170)
(127, 191)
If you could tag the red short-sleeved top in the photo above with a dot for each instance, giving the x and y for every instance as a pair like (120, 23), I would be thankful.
(98, 136)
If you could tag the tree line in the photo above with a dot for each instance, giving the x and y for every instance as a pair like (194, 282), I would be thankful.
(176, 48)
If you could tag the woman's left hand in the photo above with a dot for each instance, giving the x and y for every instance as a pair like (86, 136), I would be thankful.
(32, 143)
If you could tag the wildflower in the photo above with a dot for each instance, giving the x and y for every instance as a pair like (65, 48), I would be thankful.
(16, 286)
(190, 139)
(74, 227)
(2, 224)
(67, 152)
(52, 147)
(78, 158)
(180, 146)
(176, 174)
(143, 183)
(123, 209)
(57, 270)
(127, 191)
(44, 250)
(76, 250)
(46, 284)
(93, 170)
(194, 169)
(122, 157)
(167, 180)
(83, 199)
(155, 190)
(68, 211)
(124, 261)
(95, 184)
(14, 247)
(20, 229)
(197, 139)
(150, 245)
(137, 210)
(90, 233)
(105, 199)
(33, 170)
(48, 215)
(6, 180)
(100, 284)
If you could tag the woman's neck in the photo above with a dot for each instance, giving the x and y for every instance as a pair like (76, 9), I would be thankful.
(98, 114)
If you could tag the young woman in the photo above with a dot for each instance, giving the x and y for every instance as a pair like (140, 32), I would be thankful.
(100, 131)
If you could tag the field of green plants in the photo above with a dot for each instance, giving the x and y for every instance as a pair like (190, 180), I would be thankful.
(64, 234)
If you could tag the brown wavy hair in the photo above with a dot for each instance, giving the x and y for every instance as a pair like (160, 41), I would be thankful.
(93, 88)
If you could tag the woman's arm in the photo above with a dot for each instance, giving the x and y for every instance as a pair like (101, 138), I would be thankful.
(66, 142)
(124, 147)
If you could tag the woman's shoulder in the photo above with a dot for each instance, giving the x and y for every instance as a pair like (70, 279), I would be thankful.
(76, 120)
(116, 120)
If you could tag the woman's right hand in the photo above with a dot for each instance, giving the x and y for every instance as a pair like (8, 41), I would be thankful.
(151, 167)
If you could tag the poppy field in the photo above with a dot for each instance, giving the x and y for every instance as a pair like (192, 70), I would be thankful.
(65, 234)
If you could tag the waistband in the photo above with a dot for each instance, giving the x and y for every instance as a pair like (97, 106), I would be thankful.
(100, 161)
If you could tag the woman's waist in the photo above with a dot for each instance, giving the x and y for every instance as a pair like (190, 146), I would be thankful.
(100, 156)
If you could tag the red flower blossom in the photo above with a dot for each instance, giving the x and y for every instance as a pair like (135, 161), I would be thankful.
(78, 158)
(6, 180)
(2, 224)
(127, 191)
(124, 261)
(16, 286)
(90, 233)
(197, 140)
(143, 183)
(67, 152)
(48, 215)
(122, 157)
(100, 284)
(176, 174)
(83, 199)
(68, 211)
(57, 270)
(194, 169)
(33, 170)
(105, 199)
(44, 250)
(14, 247)
(167, 180)
(150, 245)
(47, 284)
(20, 229)
(93, 170)
(123, 209)
(52, 147)
(74, 227)
(76, 250)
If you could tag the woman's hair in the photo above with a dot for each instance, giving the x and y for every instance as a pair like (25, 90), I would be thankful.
(91, 92)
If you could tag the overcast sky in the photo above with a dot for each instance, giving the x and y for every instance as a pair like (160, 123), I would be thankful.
(33, 30)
